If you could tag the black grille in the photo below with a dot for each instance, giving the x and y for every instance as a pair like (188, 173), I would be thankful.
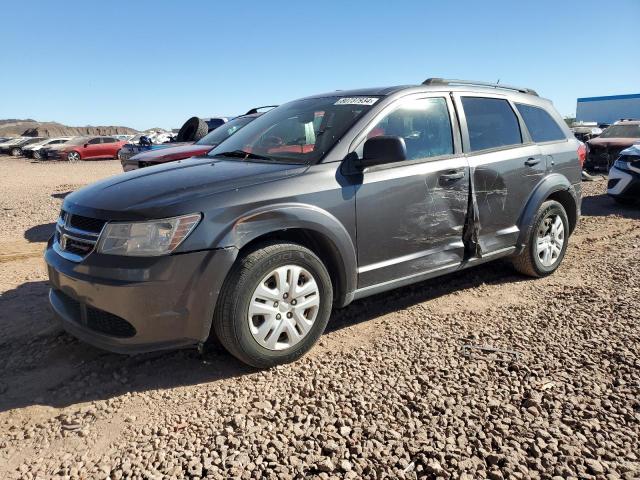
(93, 225)
(109, 324)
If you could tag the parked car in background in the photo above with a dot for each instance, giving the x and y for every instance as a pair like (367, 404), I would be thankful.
(624, 177)
(7, 143)
(15, 147)
(605, 149)
(255, 243)
(188, 149)
(35, 149)
(585, 131)
(146, 141)
(87, 148)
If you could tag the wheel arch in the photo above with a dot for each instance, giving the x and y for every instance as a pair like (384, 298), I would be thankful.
(553, 187)
(309, 226)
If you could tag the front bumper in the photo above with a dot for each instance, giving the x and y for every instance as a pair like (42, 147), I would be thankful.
(623, 184)
(134, 304)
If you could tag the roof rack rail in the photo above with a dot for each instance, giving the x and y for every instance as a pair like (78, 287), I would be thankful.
(255, 109)
(450, 81)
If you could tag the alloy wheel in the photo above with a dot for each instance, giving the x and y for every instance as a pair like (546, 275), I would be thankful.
(550, 240)
(283, 307)
(73, 156)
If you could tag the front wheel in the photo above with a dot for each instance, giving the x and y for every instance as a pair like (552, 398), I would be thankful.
(36, 155)
(274, 305)
(547, 242)
(73, 156)
(16, 151)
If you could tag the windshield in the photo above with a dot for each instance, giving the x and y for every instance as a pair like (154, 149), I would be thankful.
(214, 137)
(302, 131)
(622, 131)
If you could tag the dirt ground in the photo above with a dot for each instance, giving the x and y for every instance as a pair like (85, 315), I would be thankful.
(390, 391)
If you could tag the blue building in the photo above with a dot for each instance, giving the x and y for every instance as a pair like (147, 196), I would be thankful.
(608, 109)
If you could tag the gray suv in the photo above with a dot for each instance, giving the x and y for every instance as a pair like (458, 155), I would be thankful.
(317, 203)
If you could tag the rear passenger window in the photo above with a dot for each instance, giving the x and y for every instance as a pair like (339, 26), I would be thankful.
(109, 140)
(424, 125)
(541, 126)
(491, 123)
(94, 141)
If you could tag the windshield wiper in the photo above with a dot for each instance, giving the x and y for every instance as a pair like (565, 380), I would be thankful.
(242, 154)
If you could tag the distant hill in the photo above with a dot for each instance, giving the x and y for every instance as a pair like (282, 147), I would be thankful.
(31, 128)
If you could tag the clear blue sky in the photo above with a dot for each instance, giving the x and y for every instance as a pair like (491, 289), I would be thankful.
(153, 63)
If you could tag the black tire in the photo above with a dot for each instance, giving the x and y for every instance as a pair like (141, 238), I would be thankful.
(230, 321)
(36, 155)
(528, 262)
(624, 201)
(117, 155)
(193, 130)
(16, 151)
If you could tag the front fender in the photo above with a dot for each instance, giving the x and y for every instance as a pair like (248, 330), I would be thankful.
(270, 219)
(549, 185)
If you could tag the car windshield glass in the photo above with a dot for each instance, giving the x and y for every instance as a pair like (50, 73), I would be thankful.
(621, 131)
(214, 137)
(302, 131)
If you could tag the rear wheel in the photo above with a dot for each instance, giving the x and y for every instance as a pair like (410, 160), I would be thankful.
(274, 305)
(36, 155)
(16, 151)
(547, 242)
(117, 156)
(74, 156)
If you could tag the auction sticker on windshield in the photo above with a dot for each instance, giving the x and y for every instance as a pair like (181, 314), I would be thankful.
(356, 101)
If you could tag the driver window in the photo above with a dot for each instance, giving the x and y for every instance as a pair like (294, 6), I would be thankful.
(424, 124)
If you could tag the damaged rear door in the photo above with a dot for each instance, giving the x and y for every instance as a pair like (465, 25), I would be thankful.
(411, 214)
(505, 167)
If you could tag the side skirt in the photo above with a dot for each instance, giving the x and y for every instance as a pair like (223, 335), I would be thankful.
(426, 275)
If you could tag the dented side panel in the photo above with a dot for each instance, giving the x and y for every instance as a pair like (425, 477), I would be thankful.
(410, 219)
(502, 182)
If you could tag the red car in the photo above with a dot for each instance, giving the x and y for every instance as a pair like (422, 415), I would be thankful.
(187, 150)
(90, 148)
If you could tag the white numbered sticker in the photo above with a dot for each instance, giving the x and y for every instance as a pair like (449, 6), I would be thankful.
(356, 101)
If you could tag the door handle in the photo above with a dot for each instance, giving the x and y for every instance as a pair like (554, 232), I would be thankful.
(452, 175)
(530, 162)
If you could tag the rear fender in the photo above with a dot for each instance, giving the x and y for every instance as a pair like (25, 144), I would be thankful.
(548, 186)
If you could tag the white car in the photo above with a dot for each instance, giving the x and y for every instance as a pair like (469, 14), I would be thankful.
(624, 176)
(34, 150)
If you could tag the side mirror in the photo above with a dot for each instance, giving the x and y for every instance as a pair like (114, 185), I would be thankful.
(381, 150)
(86, 145)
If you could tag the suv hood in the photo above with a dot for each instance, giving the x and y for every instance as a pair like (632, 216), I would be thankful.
(148, 192)
(172, 153)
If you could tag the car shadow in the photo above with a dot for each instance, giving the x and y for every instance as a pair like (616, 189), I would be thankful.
(40, 233)
(40, 364)
(61, 195)
(603, 206)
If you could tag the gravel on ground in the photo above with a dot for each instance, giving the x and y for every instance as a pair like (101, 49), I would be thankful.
(395, 389)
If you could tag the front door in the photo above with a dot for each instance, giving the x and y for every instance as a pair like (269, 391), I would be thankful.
(411, 214)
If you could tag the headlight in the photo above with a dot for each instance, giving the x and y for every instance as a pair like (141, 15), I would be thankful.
(146, 239)
(622, 165)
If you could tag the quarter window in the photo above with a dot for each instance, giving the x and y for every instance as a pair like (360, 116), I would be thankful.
(491, 123)
(424, 124)
(541, 126)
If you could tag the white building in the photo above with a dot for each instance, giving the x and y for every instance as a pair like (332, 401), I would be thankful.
(608, 109)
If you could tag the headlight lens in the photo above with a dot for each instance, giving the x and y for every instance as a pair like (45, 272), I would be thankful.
(622, 165)
(146, 239)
